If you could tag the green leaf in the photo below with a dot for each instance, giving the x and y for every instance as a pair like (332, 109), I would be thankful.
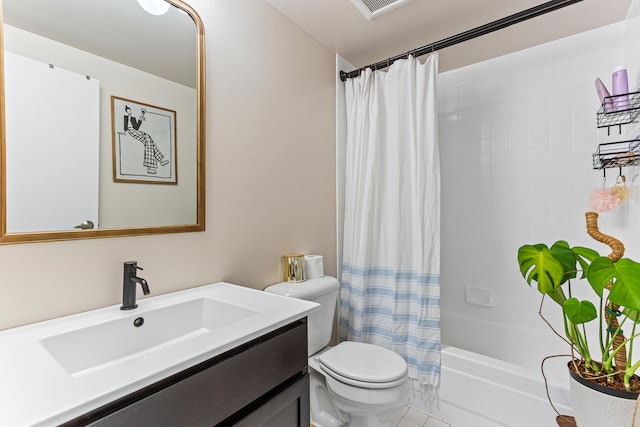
(579, 312)
(563, 253)
(632, 314)
(625, 290)
(585, 256)
(600, 273)
(538, 264)
(558, 296)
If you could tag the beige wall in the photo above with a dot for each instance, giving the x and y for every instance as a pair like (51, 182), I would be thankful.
(270, 179)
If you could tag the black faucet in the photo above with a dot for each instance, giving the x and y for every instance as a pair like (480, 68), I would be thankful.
(129, 281)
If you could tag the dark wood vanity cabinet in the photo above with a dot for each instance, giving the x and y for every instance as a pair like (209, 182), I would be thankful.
(264, 382)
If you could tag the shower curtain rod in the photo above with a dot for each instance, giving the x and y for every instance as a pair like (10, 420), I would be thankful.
(499, 24)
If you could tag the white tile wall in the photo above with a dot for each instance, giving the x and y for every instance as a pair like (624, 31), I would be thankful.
(516, 137)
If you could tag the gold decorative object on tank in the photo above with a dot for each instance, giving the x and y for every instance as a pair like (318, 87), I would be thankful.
(293, 267)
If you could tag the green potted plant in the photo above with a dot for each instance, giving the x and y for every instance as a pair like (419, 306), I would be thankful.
(603, 370)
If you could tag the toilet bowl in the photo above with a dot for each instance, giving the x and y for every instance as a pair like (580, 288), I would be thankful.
(352, 384)
(367, 384)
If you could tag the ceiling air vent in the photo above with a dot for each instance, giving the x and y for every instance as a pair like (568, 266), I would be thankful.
(373, 8)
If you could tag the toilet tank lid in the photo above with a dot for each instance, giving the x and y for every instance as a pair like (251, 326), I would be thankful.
(306, 290)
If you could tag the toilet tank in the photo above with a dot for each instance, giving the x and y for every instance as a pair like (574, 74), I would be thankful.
(324, 291)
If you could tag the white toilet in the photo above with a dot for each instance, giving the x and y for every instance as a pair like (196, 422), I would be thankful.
(352, 384)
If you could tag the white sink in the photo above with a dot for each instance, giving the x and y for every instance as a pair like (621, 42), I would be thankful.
(59, 369)
(100, 345)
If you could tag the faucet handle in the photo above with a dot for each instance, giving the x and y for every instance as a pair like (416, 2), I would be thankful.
(133, 264)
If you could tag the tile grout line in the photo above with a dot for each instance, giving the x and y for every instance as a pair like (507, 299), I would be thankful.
(412, 417)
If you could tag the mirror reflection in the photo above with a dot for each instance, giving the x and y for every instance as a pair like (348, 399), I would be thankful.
(102, 114)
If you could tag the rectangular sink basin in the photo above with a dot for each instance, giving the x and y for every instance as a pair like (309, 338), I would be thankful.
(93, 347)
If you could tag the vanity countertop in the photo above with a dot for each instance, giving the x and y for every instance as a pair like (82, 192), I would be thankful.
(36, 389)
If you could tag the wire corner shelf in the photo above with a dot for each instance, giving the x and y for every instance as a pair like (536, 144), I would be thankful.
(618, 110)
(617, 154)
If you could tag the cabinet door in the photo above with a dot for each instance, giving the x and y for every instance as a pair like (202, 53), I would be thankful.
(289, 408)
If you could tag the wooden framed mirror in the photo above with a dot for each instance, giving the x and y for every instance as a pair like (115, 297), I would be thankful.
(103, 119)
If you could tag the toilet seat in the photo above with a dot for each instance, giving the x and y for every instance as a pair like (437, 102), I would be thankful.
(364, 365)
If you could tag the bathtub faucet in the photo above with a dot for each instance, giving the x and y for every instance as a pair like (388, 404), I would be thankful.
(129, 281)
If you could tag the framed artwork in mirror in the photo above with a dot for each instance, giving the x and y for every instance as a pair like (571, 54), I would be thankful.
(144, 142)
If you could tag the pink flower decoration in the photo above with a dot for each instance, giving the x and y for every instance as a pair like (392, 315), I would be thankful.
(603, 200)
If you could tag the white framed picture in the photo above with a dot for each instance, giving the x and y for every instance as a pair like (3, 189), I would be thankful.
(144, 142)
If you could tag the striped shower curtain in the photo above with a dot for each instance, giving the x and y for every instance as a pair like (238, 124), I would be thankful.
(390, 292)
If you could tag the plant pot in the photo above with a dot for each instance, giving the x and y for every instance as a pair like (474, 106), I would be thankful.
(595, 405)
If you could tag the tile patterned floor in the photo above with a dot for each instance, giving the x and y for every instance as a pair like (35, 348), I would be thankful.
(411, 417)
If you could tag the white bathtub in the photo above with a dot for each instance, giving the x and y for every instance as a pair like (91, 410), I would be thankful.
(479, 391)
